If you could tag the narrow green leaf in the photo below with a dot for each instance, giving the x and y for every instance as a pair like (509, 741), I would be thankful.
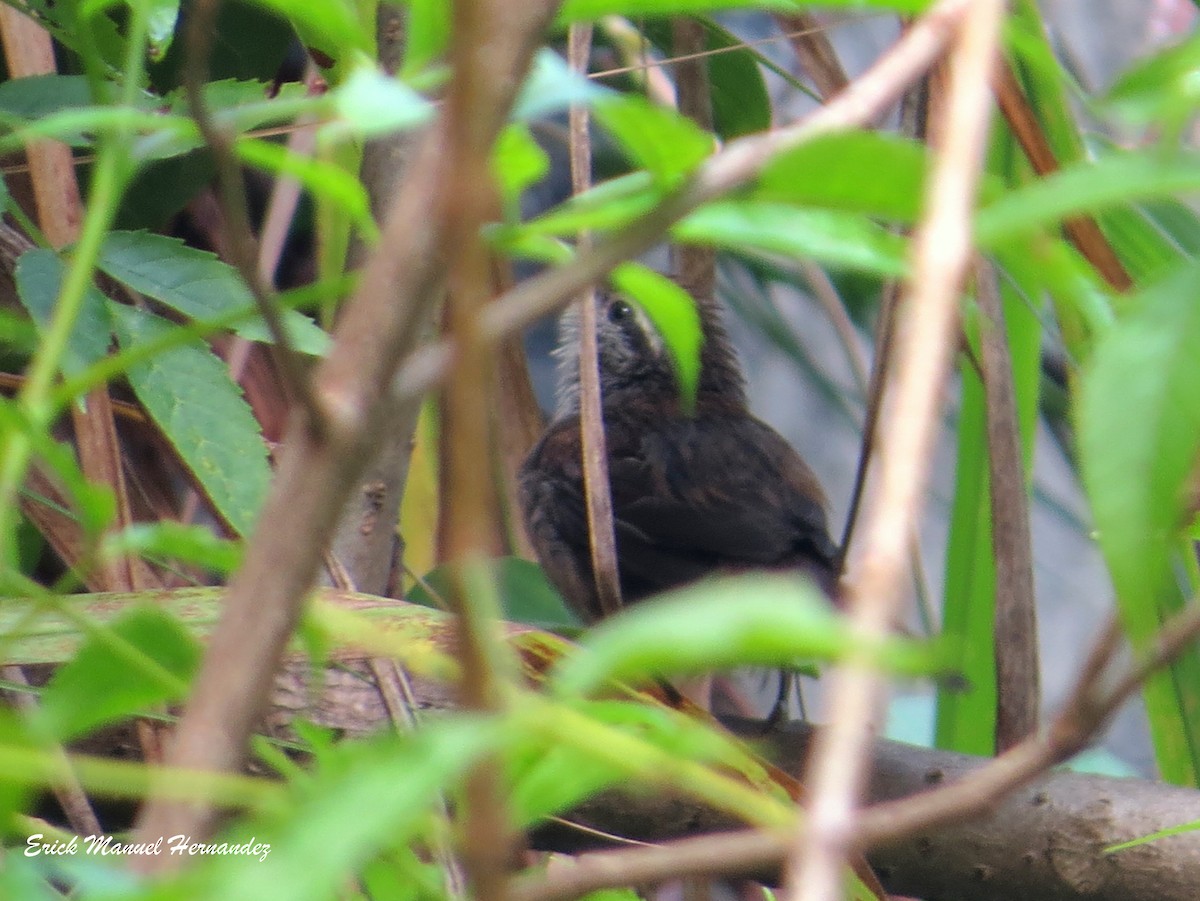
(353, 809)
(168, 540)
(326, 182)
(585, 10)
(829, 172)
(36, 96)
(39, 276)
(751, 620)
(518, 162)
(1139, 439)
(188, 393)
(526, 596)
(673, 312)
(196, 284)
(1086, 187)
(101, 685)
(1181, 829)
(370, 103)
(1163, 87)
(332, 27)
(608, 205)
(966, 718)
(552, 86)
(840, 239)
(655, 138)
(427, 34)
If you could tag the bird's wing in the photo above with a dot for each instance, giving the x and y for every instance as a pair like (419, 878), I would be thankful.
(717, 493)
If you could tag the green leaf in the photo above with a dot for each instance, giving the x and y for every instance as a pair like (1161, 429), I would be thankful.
(103, 684)
(610, 204)
(370, 103)
(168, 540)
(673, 312)
(332, 28)
(1139, 427)
(590, 10)
(36, 96)
(196, 284)
(1138, 423)
(741, 104)
(1181, 829)
(323, 180)
(654, 137)
(1162, 87)
(518, 162)
(161, 27)
(354, 808)
(840, 239)
(92, 502)
(188, 393)
(1085, 188)
(526, 596)
(427, 34)
(39, 276)
(751, 620)
(829, 171)
(552, 86)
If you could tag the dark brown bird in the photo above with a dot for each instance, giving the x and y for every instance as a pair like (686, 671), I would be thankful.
(714, 491)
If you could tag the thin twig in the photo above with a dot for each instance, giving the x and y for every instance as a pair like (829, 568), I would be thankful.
(815, 52)
(924, 342)
(601, 534)
(1018, 685)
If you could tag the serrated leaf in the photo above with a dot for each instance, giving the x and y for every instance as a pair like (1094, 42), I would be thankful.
(104, 681)
(752, 620)
(831, 236)
(188, 393)
(196, 284)
(39, 276)
(655, 138)
(36, 96)
(673, 312)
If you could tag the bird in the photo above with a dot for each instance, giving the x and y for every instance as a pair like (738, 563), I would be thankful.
(695, 492)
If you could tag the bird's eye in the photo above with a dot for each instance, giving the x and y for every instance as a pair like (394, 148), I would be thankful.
(620, 311)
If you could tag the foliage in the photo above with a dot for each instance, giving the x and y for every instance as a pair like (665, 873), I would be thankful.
(150, 316)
